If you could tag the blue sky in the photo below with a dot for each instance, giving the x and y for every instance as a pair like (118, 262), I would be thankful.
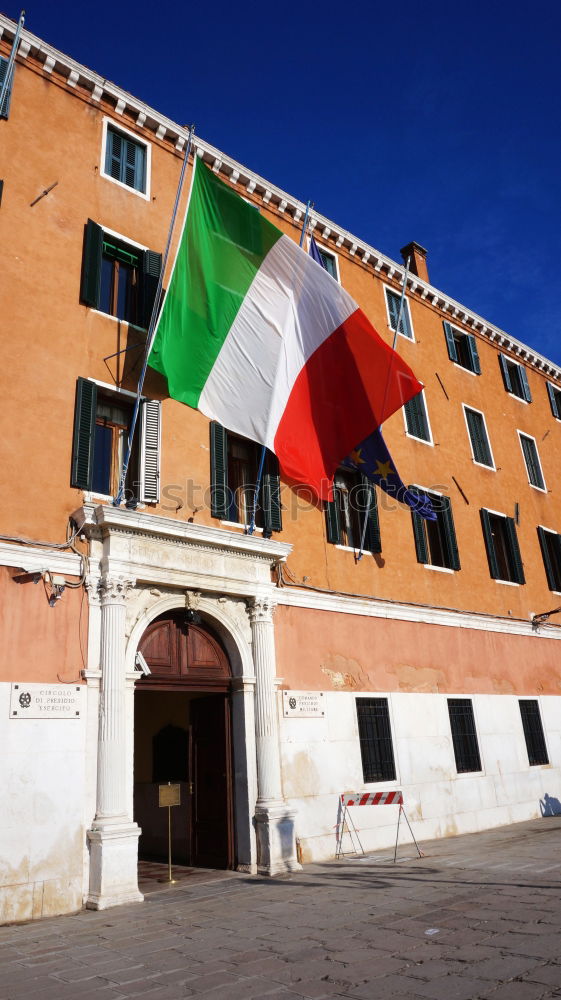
(430, 121)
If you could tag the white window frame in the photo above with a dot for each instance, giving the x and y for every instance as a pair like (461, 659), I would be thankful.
(549, 531)
(394, 291)
(529, 697)
(413, 437)
(505, 583)
(470, 371)
(466, 406)
(110, 122)
(100, 312)
(557, 389)
(329, 253)
(522, 434)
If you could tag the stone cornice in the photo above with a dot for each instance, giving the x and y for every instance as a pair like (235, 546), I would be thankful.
(97, 88)
(33, 558)
(106, 519)
(395, 611)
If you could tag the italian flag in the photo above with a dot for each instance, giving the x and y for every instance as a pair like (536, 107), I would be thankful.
(257, 335)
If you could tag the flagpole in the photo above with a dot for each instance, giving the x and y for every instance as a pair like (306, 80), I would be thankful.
(117, 500)
(11, 59)
(251, 526)
(397, 326)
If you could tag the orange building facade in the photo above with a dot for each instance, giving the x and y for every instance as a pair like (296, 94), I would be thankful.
(263, 674)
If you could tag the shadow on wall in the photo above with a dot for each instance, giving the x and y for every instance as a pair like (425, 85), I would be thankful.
(550, 806)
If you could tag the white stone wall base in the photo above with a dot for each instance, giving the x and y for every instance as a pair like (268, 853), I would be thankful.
(276, 842)
(113, 866)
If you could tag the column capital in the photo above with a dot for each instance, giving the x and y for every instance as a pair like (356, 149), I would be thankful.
(115, 588)
(261, 609)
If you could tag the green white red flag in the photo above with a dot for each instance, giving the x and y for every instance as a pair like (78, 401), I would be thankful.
(257, 335)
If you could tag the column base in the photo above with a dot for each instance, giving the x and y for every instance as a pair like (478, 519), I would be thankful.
(113, 865)
(276, 841)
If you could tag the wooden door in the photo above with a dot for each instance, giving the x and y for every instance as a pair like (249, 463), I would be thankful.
(212, 827)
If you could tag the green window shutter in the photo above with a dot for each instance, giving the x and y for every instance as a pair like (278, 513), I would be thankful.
(393, 308)
(505, 372)
(84, 434)
(548, 565)
(473, 353)
(489, 544)
(5, 109)
(525, 385)
(271, 498)
(450, 534)
(218, 471)
(478, 437)
(333, 521)
(515, 550)
(553, 400)
(150, 445)
(416, 418)
(91, 265)
(372, 539)
(419, 532)
(113, 154)
(450, 342)
(150, 267)
(532, 461)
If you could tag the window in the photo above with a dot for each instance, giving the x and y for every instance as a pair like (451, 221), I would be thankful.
(5, 109)
(234, 467)
(416, 418)
(550, 544)
(329, 262)
(118, 278)
(354, 498)
(101, 428)
(462, 348)
(515, 378)
(375, 737)
(435, 541)
(480, 447)
(501, 543)
(533, 731)
(125, 159)
(393, 300)
(532, 460)
(464, 735)
(555, 399)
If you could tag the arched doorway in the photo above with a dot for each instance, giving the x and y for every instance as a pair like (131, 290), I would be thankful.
(183, 735)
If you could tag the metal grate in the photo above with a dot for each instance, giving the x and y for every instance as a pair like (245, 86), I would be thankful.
(533, 732)
(375, 739)
(464, 736)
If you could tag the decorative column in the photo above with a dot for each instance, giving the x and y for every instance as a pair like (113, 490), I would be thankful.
(274, 820)
(113, 838)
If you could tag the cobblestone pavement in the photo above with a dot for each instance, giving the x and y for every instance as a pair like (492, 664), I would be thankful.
(478, 916)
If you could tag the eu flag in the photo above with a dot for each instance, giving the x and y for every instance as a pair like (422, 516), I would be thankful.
(373, 459)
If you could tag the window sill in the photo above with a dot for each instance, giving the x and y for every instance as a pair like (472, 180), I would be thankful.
(404, 335)
(131, 326)
(145, 195)
(242, 527)
(519, 398)
(508, 583)
(350, 548)
(540, 489)
(413, 437)
(439, 569)
(90, 497)
(481, 465)
(463, 368)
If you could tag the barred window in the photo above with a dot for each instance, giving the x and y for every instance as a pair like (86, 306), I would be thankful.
(375, 739)
(533, 731)
(464, 735)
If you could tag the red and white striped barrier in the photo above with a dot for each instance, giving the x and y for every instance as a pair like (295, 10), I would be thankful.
(372, 799)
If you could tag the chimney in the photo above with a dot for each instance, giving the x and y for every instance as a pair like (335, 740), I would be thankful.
(418, 259)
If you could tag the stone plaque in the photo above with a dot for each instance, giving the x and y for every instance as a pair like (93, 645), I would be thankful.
(169, 795)
(303, 704)
(46, 701)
